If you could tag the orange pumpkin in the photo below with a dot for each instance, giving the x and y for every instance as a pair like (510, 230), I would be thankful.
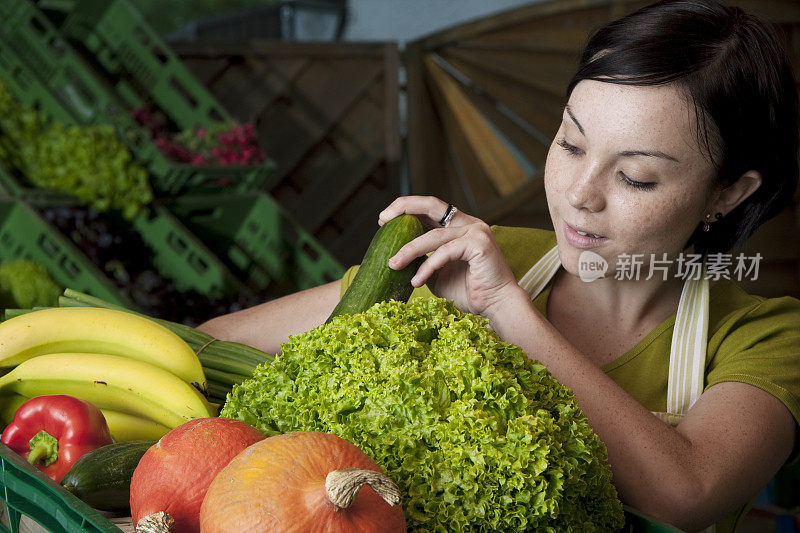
(174, 474)
(300, 482)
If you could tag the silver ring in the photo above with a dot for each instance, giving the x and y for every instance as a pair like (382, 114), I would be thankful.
(448, 215)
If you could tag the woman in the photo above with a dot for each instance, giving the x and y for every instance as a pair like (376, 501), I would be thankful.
(680, 136)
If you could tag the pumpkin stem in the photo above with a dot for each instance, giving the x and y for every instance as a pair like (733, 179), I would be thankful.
(342, 486)
(160, 522)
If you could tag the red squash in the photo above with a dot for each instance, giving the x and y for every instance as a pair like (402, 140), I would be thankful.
(299, 482)
(174, 474)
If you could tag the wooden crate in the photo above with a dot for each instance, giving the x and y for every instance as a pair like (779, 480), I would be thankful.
(327, 113)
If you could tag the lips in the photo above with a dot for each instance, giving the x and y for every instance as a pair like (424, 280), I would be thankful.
(588, 232)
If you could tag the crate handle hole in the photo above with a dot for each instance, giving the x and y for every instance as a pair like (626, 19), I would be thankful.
(177, 244)
(178, 86)
(310, 252)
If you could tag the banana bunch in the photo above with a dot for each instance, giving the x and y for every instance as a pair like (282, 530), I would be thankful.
(144, 378)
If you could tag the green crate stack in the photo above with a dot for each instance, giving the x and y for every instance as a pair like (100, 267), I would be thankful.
(43, 70)
(181, 257)
(117, 36)
(259, 239)
(25, 235)
(27, 88)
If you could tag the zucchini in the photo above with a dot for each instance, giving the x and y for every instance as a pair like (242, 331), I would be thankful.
(102, 477)
(375, 281)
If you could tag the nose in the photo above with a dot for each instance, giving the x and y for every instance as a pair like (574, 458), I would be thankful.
(586, 192)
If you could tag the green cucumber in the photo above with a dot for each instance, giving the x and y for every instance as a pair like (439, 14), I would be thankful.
(102, 477)
(375, 281)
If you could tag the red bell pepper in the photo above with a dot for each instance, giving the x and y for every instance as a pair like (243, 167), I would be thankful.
(53, 432)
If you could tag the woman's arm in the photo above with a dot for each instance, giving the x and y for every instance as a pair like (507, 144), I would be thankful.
(728, 446)
(267, 325)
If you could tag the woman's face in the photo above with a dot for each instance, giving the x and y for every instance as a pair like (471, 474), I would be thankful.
(626, 165)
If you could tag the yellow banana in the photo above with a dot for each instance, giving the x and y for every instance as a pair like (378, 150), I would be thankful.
(111, 382)
(123, 427)
(97, 330)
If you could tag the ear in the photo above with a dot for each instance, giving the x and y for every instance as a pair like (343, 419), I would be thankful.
(728, 198)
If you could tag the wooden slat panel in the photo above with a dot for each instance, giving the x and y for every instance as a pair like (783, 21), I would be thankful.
(538, 71)
(318, 102)
(565, 40)
(530, 147)
(578, 12)
(469, 173)
(425, 142)
(205, 69)
(499, 164)
(540, 110)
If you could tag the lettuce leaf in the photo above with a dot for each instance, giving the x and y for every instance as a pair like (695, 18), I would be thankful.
(478, 436)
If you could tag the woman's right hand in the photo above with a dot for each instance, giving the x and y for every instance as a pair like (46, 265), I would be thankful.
(465, 263)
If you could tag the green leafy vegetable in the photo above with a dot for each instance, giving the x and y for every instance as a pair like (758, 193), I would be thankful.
(25, 284)
(86, 161)
(478, 436)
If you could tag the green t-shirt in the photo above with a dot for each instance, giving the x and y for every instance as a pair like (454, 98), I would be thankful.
(751, 339)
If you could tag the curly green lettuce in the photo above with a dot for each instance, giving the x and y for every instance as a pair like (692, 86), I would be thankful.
(478, 436)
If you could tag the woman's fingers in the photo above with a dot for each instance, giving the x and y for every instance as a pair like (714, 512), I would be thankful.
(429, 209)
(425, 243)
(447, 253)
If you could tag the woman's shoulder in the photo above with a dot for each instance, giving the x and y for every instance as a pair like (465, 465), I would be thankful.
(523, 247)
(731, 307)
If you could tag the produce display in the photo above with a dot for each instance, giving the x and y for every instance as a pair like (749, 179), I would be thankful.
(375, 282)
(305, 481)
(87, 330)
(221, 144)
(25, 284)
(86, 161)
(53, 432)
(478, 436)
(116, 360)
(102, 477)
(173, 476)
(121, 253)
(225, 363)
(123, 426)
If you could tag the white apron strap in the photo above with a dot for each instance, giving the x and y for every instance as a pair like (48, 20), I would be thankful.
(687, 358)
(539, 275)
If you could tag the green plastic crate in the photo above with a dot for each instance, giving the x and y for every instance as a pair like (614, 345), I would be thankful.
(114, 33)
(27, 87)
(177, 179)
(68, 89)
(183, 258)
(24, 234)
(16, 187)
(26, 491)
(259, 239)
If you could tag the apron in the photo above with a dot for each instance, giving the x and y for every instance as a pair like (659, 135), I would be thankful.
(689, 337)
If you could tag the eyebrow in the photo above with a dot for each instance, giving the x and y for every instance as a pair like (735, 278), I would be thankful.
(626, 153)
